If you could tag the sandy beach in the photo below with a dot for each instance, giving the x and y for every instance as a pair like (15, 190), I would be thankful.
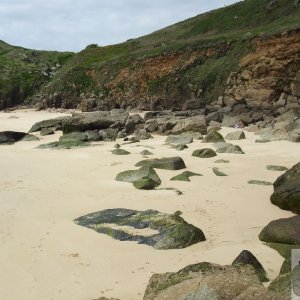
(45, 255)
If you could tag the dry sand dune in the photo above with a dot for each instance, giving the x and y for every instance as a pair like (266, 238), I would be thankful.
(44, 255)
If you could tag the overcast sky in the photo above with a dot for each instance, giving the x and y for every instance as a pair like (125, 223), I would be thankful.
(73, 24)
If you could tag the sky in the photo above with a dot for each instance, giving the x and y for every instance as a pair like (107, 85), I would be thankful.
(71, 25)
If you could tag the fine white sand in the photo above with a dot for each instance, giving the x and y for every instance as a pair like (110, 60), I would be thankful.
(44, 255)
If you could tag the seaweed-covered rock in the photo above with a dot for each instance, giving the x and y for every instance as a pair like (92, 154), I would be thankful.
(95, 121)
(276, 168)
(236, 135)
(173, 232)
(145, 183)
(136, 175)
(208, 281)
(259, 182)
(179, 139)
(228, 148)
(30, 138)
(73, 137)
(170, 163)
(10, 137)
(185, 176)
(120, 152)
(287, 190)
(47, 131)
(218, 172)
(56, 124)
(204, 153)
(213, 137)
(247, 258)
(283, 231)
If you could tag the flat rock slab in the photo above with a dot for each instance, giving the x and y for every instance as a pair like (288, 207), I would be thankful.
(120, 152)
(287, 190)
(56, 124)
(10, 137)
(283, 231)
(170, 163)
(276, 168)
(185, 176)
(259, 182)
(64, 145)
(173, 231)
(228, 148)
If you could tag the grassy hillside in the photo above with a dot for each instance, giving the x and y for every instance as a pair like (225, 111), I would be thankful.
(189, 59)
(24, 71)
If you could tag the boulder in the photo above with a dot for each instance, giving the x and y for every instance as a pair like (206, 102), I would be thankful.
(136, 175)
(282, 285)
(10, 137)
(172, 231)
(145, 183)
(208, 281)
(179, 139)
(230, 121)
(287, 190)
(120, 152)
(108, 135)
(93, 135)
(213, 137)
(276, 168)
(47, 131)
(204, 153)
(95, 121)
(73, 137)
(283, 231)
(142, 134)
(170, 163)
(179, 147)
(236, 135)
(197, 124)
(228, 148)
(52, 123)
(30, 138)
(151, 125)
(132, 122)
(247, 258)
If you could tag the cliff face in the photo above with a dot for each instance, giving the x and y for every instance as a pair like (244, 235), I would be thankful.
(269, 77)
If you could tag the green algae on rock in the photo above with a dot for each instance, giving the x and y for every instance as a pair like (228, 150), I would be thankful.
(173, 232)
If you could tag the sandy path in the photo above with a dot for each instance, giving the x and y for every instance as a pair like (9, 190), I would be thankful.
(44, 255)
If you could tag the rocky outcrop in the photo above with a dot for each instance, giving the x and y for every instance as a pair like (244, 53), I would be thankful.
(209, 281)
(171, 231)
(287, 190)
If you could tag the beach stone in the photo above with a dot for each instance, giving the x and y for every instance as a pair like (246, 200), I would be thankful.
(73, 137)
(179, 147)
(142, 134)
(108, 135)
(221, 161)
(64, 145)
(52, 123)
(247, 258)
(287, 190)
(196, 124)
(171, 163)
(228, 148)
(145, 183)
(276, 168)
(204, 153)
(262, 141)
(207, 281)
(120, 152)
(30, 138)
(95, 121)
(47, 131)
(93, 135)
(213, 137)
(218, 172)
(178, 139)
(259, 182)
(283, 231)
(185, 176)
(136, 175)
(151, 125)
(117, 146)
(10, 137)
(146, 152)
(236, 135)
(173, 232)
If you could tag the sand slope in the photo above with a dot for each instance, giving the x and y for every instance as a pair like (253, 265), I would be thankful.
(44, 255)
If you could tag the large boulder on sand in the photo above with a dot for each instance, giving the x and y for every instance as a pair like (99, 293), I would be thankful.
(9, 137)
(170, 231)
(168, 163)
(236, 135)
(287, 190)
(56, 124)
(283, 231)
(95, 120)
(213, 137)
